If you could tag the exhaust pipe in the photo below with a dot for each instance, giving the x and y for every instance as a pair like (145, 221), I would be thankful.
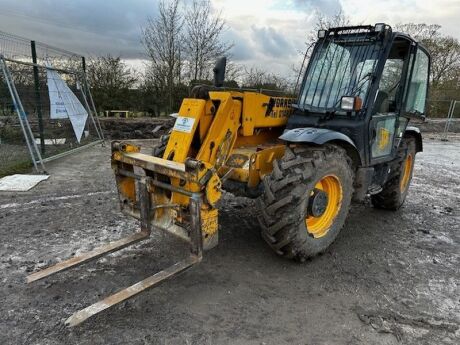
(219, 71)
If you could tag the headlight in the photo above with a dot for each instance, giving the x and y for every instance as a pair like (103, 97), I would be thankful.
(349, 103)
(379, 27)
(322, 33)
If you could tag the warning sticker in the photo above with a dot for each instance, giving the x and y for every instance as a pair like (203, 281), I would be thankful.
(184, 124)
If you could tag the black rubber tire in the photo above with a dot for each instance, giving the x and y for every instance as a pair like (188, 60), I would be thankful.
(159, 149)
(283, 204)
(391, 197)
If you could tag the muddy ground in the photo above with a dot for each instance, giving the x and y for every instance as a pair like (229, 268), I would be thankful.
(390, 277)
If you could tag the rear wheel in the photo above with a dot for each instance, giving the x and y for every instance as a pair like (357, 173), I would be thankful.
(306, 200)
(395, 190)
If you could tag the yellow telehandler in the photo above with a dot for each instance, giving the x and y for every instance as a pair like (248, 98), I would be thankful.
(345, 135)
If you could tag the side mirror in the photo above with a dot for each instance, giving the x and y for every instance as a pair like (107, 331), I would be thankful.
(219, 72)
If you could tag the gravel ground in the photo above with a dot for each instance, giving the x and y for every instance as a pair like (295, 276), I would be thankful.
(390, 278)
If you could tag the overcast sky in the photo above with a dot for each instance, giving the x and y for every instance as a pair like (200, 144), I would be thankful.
(265, 33)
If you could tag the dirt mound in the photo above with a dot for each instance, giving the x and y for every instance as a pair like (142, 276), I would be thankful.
(437, 125)
(136, 128)
(154, 127)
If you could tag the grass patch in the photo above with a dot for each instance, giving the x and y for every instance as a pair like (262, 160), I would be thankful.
(19, 167)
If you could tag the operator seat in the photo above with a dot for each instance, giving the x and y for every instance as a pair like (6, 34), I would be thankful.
(382, 103)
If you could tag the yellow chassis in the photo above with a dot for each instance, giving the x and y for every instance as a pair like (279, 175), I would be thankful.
(232, 135)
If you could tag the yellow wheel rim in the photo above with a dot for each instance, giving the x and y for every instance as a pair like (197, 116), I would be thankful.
(319, 226)
(407, 169)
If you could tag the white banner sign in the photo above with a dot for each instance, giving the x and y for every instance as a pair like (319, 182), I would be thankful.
(184, 124)
(64, 104)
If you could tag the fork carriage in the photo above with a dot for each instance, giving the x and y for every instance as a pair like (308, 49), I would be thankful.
(137, 180)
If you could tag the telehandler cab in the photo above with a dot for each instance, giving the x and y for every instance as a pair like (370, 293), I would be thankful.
(345, 135)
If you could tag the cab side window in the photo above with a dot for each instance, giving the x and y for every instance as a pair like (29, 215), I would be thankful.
(389, 86)
(418, 84)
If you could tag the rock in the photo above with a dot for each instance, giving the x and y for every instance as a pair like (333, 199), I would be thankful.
(425, 231)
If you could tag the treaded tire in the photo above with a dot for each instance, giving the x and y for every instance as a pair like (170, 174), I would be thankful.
(159, 150)
(391, 197)
(283, 204)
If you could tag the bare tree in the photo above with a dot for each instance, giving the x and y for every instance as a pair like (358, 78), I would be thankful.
(110, 80)
(234, 73)
(420, 31)
(162, 39)
(444, 51)
(322, 22)
(257, 78)
(203, 42)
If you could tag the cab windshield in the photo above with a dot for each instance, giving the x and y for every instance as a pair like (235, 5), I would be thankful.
(339, 67)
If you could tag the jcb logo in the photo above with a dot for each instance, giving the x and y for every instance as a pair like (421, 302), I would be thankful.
(384, 138)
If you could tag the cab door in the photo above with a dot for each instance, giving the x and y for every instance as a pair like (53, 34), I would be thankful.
(388, 105)
(401, 95)
(416, 91)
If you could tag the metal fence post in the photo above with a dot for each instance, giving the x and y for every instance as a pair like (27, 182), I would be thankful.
(37, 97)
(28, 135)
(86, 89)
(451, 117)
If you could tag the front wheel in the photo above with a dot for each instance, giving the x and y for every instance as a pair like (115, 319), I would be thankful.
(306, 200)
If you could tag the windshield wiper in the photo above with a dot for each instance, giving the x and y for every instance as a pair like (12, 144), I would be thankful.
(359, 85)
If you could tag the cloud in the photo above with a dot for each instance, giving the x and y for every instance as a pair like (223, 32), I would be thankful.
(271, 41)
(265, 33)
(84, 26)
(242, 49)
(328, 7)
(443, 12)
